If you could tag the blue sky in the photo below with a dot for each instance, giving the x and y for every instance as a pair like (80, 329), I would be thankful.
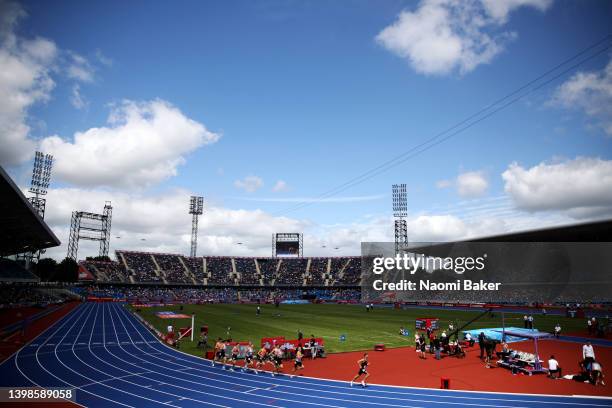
(313, 94)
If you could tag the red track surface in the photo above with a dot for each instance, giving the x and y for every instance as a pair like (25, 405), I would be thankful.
(33, 330)
(403, 367)
(12, 315)
(15, 342)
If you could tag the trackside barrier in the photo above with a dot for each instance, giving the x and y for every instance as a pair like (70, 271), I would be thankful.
(14, 327)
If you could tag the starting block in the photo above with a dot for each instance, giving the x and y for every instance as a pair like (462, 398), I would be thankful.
(379, 347)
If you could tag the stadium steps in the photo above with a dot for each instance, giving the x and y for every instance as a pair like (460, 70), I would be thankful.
(158, 271)
(341, 272)
(129, 276)
(188, 272)
(258, 270)
(97, 273)
(205, 271)
(234, 275)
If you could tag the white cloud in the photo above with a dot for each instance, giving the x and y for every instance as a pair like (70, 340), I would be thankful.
(347, 199)
(472, 184)
(444, 184)
(590, 92)
(104, 60)
(144, 143)
(249, 184)
(79, 68)
(469, 184)
(441, 36)
(161, 223)
(25, 67)
(500, 9)
(280, 186)
(76, 99)
(581, 187)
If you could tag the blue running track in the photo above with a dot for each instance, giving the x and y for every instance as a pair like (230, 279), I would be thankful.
(112, 359)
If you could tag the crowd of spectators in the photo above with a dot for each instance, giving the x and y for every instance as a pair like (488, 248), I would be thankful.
(219, 270)
(141, 266)
(291, 271)
(164, 294)
(337, 264)
(196, 267)
(172, 268)
(17, 295)
(317, 271)
(106, 271)
(153, 268)
(352, 272)
(248, 271)
(267, 267)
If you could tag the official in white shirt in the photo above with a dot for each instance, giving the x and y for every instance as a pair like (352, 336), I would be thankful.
(554, 370)
(588, 355)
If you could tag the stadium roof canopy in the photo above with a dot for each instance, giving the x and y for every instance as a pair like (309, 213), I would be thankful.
(22, 229)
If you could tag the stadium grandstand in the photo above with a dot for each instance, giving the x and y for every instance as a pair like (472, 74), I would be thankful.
(23, 298)
(176, 277)
(174, 269)
(23, 231)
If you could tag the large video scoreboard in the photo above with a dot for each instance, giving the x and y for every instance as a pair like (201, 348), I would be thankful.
(287, 244)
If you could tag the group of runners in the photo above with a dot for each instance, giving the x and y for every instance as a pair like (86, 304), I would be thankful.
(257, 362)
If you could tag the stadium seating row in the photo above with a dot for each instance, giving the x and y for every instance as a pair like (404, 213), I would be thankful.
(142, 267)
(165, 294)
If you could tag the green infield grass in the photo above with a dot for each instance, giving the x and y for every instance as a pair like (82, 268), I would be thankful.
(361, 329)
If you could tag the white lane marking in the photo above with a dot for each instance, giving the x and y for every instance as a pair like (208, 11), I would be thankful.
(64, 381)
(309, 386)
(170, 384)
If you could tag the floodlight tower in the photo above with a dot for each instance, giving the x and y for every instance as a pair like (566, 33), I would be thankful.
(107, 220)
(196, 208)
(41, 177)
(400, 212)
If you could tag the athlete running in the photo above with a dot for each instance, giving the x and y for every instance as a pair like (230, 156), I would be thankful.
(248, 359)
(277, 360)
(363, 370)
(261, 358)
(297, 364)
(235, 354)
(219, 352)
